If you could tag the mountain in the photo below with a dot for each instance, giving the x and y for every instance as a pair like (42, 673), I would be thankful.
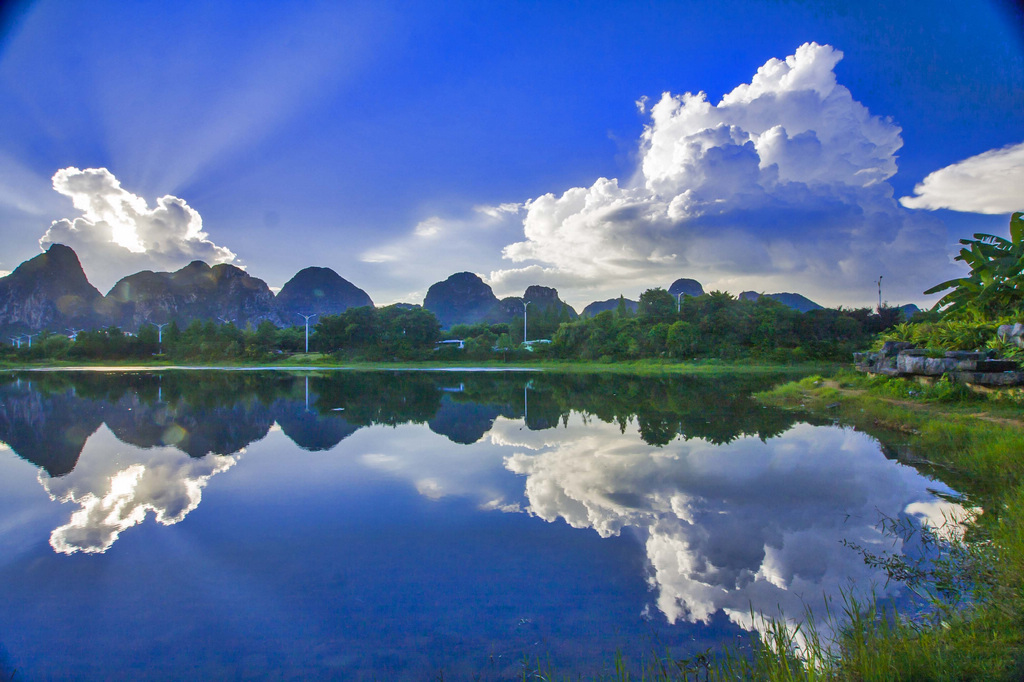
(49, 291)
(546, 298)
(319, 291)
(542, 300)
(909, 310)
(611, 304)
(463, 298)
(794, 301)
(195, 292)
(689, 287)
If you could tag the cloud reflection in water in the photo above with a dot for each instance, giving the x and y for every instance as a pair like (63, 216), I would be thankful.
(750, 525)
(115, 493)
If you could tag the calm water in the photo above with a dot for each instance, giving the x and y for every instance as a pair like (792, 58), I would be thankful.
(250, 525)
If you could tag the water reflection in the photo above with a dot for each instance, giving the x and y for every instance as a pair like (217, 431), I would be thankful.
(749, 525)
(737, 507)
(115, 493)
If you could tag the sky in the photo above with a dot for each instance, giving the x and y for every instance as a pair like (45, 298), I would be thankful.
(599, 148)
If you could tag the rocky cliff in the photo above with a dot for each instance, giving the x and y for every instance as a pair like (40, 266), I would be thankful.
(195, 292)
(463, 298)
(318, 290)
(50, 292)
(689, 287)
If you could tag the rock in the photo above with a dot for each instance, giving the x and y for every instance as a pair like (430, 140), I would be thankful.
(994, 379)
(893, 347)
(1014, 334)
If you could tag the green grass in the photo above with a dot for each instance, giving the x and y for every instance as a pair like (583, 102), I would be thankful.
(976, 443)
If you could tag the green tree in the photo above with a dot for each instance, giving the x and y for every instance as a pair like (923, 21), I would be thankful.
(657, 304)
(995, 285)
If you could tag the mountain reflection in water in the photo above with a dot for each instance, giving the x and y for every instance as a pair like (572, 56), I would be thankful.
(739, 509)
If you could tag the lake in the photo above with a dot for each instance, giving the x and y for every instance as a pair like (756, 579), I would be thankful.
(419, 525)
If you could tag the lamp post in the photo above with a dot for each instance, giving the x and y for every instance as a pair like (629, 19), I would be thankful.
(679, 302)
(307, 318)
(525, 305)
(30, 338)
(160, 335)
(880, 293)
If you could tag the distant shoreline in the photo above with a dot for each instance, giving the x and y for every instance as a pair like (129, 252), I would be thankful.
(641, 367)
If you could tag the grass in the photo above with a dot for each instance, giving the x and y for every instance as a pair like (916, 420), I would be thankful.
(976, 444)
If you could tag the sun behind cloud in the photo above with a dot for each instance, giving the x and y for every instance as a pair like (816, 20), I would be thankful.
(118, 233)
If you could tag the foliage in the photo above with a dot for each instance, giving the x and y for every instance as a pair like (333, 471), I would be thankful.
(374, 333)
(716, 325)
(995, 285)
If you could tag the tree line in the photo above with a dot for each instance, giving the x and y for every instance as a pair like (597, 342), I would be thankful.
(714, 325)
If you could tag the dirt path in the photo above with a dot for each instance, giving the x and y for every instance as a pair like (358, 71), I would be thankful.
(1003, 420)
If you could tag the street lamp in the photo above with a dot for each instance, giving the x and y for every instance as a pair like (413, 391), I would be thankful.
(160, 335)
(679, 302)
(307, 318)
(525, 305)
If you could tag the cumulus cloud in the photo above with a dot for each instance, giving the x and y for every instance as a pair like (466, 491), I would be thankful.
(727, 528)
(992, 182)
(783, 183)
(118, 233)
(116, 493)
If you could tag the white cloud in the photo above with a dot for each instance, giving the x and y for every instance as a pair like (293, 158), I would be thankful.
(780, 186)
(118, 233)
(427, 254)
(729, 528)
(991, 182)
(116, 493)
(499, 211)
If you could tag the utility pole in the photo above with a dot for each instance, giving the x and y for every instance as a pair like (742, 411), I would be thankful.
(307, 317)
(880, 293)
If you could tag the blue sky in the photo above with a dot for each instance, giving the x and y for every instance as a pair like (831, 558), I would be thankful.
(399, 142)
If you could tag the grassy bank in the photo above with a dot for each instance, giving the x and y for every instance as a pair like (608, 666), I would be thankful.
(976, 444)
